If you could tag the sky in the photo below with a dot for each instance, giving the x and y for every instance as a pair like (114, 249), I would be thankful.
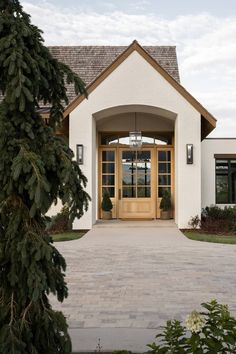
(203, 31)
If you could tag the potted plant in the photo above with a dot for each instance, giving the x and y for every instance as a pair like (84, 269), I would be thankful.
(106, 206)
(166, 205)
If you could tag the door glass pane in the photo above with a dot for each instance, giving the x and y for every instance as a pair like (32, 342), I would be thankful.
(143, 178)
(129, 180)
(128, 155)
(108, 180)
(164, 167)
(144, 166)
(163, 155)
(108, 156)
(162, 189)
(129, 192)
(109, 190)
(164, 180)
(144, 155)
(144, 192)
(128, 167)
(108, 168)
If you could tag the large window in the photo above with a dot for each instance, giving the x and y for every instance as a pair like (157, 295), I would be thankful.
(225, 181)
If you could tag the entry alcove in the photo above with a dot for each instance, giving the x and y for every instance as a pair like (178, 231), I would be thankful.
(135, 180)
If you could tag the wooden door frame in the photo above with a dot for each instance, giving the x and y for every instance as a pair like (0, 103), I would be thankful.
(154, 179)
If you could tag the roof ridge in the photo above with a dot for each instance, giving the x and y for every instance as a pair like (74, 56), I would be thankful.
(109, 46)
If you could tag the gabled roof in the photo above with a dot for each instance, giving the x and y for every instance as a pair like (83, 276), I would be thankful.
(208, 121)
(90, 61)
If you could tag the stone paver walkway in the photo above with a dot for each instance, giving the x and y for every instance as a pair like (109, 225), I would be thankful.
(139, 277)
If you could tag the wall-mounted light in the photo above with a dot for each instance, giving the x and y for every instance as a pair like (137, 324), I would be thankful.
(189, 153)
(80, 154)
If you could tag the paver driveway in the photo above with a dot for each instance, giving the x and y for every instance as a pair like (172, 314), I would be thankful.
(138, 277)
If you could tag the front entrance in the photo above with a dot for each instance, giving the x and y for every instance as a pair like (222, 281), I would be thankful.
(136, 184)
(135, 180)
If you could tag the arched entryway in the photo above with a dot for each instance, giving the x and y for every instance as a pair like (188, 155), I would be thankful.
(135, 179)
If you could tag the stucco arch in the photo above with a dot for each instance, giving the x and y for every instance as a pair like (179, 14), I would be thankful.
(141, 117)
(139, 108)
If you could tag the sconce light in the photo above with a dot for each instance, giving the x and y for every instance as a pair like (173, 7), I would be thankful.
(80, 154)
(189, 153)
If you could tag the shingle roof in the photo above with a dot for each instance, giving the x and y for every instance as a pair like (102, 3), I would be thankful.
(89, 61)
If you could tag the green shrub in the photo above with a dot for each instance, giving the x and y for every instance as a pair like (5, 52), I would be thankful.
(195, 222)
(210, 331)
(60, 222)
(106, 202)
(218, 220)
(166, 201)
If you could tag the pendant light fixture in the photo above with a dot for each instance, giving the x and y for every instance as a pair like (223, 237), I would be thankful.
(135, 137)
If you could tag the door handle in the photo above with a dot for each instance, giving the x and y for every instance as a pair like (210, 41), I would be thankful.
(119, 195)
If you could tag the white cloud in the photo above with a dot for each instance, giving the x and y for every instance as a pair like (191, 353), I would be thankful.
(206, 47)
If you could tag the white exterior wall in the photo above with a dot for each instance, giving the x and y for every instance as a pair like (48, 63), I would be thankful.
(135, 81)
(210, 147)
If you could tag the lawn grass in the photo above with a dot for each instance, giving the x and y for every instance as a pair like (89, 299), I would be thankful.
(197, 236)
(68, 236)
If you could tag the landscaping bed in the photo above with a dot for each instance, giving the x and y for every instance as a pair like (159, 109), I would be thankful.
(68, 236)
(216, 225)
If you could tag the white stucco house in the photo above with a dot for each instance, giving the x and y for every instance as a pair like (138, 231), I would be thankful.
(137, 89)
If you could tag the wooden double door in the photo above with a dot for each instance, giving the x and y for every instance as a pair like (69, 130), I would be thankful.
(135, 180)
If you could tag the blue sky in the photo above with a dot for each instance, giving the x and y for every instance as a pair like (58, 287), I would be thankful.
(204, 33)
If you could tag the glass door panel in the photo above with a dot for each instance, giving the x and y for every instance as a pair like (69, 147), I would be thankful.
(136, 174)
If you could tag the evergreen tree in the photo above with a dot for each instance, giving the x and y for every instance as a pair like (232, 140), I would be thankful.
(36, 168)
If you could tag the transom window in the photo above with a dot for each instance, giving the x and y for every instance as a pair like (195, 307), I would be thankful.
(124, 140)
(225, 181)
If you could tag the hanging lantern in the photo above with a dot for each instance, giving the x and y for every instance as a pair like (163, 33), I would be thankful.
(135, 137)
(135, 140)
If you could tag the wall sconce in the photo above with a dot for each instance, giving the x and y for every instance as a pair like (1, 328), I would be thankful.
(189, 153)
(80, 154)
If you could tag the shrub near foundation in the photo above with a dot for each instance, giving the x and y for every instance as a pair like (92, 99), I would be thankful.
(60, 222)
(218, 220)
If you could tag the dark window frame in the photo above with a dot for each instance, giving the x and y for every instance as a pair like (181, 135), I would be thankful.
(229, 174)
